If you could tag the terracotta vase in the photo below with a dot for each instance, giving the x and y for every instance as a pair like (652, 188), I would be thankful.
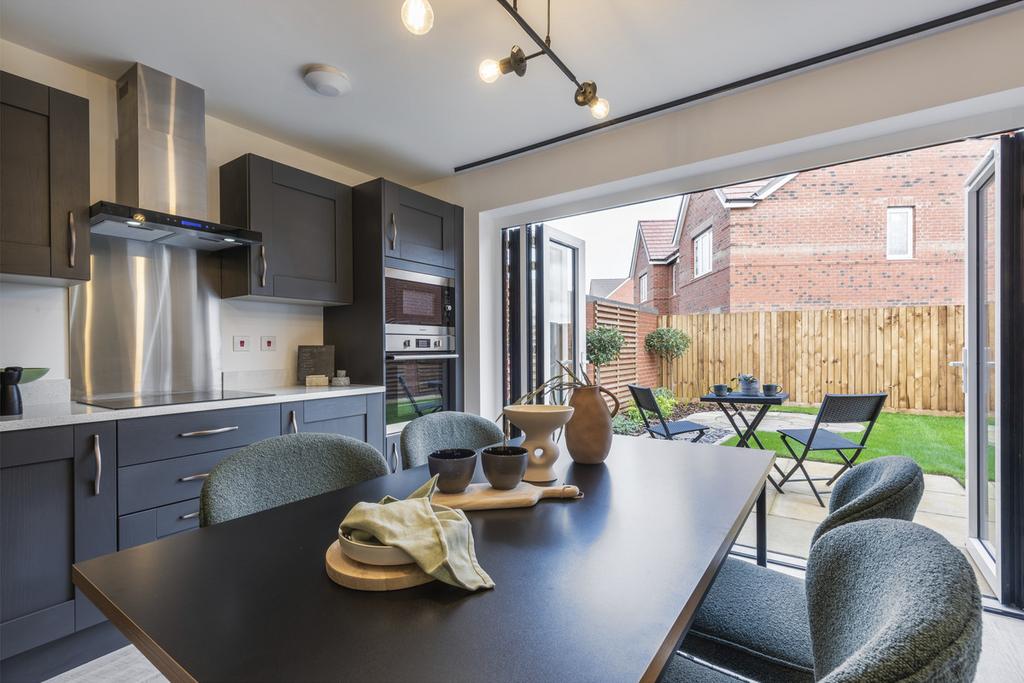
(588, 435)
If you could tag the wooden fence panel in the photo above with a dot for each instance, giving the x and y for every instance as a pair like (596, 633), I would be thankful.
(904, 351)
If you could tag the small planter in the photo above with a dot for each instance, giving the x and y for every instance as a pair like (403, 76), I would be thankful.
(749, 387)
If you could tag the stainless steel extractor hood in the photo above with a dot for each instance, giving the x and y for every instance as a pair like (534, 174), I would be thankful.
(161, 167)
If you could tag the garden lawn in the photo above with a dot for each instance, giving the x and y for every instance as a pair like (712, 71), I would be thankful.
(936, 443)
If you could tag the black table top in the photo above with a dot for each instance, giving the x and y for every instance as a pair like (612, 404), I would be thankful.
(597, 589)
(750, 399)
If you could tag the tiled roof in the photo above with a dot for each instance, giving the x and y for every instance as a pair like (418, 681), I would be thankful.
(753, 191)
(603, 286)
(658, 238)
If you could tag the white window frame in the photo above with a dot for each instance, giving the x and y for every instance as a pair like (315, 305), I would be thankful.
(672, 274)
(908, 211)
(642, 285)
(698, 241)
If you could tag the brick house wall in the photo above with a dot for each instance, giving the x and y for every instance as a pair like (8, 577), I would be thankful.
(819, 241)
(659, 281)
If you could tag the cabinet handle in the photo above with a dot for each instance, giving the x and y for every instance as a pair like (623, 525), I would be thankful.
(73, 237)
(394, 231)
(190, 515)
(394, 458)
(263, 265)
(294, 422)
(97, 454)
(209, 432)
(195, 477)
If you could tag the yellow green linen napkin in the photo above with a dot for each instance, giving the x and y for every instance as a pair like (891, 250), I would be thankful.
(438, 538)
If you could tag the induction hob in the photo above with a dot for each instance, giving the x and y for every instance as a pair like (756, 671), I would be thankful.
(165, 399)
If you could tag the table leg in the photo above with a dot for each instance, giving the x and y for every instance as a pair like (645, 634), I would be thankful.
(761, 518)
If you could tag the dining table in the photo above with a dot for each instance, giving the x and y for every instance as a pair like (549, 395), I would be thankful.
(601, 588)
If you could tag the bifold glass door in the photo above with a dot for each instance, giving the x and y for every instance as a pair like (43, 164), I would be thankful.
(543, 316)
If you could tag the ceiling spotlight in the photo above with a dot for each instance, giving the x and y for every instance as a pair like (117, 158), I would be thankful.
(586, 96)
(491, 69)
(418, 16)
(326, 80)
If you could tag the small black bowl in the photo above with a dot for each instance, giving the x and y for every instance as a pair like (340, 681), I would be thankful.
(454, 467)
(504, 466)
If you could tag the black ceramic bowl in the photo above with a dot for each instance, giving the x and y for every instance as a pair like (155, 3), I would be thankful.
(504, 466)
(454, 467)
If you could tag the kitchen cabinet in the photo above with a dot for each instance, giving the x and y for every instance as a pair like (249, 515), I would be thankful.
(418, 227)
(58, 494)
(44, 183)
(360, 417)
(306, 222)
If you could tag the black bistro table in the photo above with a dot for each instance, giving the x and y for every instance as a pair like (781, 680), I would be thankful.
(597, 589)
(748, 431)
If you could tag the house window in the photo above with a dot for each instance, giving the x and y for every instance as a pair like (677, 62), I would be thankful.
(899, 232)
(643, 288)
(674, 277)
(702, 253)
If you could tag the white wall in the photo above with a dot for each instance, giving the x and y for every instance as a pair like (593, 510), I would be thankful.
(34, 319)
(940, 87)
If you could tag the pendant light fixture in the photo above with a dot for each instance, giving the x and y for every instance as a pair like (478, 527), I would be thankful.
(418, 17)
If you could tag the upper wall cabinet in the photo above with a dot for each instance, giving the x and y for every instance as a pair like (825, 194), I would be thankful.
(418, 227)
(44, 182)
(306, 221)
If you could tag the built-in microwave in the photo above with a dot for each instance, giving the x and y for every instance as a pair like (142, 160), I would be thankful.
(418, 303)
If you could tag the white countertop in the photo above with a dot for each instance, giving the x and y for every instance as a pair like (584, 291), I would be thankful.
(71, 413)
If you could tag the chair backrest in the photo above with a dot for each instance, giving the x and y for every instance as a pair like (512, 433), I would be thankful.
(884, 488)
(644, 399)
(890, 600)
(283, 469)
(447, 429)
(848, 408)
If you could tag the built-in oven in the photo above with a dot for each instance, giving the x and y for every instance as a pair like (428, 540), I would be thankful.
(418, 303)
(418, 371)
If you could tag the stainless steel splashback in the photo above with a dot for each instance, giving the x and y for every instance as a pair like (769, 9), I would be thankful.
(147, 322)
(161, 143)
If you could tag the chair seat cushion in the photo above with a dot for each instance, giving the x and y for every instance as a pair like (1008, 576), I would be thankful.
(681, 669)
(754, 621)
(824, 440)
(678, 427)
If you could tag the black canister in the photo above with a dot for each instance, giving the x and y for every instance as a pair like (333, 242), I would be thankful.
(10, 394)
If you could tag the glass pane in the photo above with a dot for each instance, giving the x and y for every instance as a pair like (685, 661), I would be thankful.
(987, 427)
(899, 233)
(560, 309)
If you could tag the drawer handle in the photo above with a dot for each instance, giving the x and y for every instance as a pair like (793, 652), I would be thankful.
(394, 458)
(263, 265)
(394, 231)
(295, 423)
(195, 477)
(190, 515)
(73, 236)
(97, 454)
(209, 432)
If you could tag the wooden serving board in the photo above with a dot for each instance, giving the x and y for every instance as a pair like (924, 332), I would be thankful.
(365, 577)
(485, 497)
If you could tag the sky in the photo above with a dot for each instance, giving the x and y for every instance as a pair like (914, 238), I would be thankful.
(610, 234)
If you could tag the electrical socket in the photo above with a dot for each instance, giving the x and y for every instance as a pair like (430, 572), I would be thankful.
(268, 343)
(241, 343)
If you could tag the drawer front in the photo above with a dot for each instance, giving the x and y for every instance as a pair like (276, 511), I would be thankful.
(333, 408)
(147, 526)
(152, 484)
(149, 439)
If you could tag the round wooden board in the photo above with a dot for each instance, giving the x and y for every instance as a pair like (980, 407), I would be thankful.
(364, 577)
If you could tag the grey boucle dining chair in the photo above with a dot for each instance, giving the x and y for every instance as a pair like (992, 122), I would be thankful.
(448, 429)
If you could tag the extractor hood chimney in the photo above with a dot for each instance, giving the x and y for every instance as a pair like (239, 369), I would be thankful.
(161, 167)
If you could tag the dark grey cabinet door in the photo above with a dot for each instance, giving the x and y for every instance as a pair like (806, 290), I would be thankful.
(95, 504)
(418, 227)
(44, 181)
(360, 417)
(306, 223)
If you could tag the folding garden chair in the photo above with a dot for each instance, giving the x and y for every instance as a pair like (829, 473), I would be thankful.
(664, 429)
(835, 409)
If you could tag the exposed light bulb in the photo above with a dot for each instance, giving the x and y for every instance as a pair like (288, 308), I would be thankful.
(418, 16)
(599, 108)
(490, 70)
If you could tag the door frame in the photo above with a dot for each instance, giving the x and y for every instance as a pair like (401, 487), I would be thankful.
(976, 389)
(544, 235)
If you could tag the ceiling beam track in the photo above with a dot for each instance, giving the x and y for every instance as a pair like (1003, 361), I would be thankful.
(934, 24)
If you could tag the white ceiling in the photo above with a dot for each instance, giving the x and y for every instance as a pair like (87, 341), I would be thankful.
(417, 108)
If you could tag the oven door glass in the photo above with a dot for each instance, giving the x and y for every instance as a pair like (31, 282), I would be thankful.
(417, 303)
(414, 388)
